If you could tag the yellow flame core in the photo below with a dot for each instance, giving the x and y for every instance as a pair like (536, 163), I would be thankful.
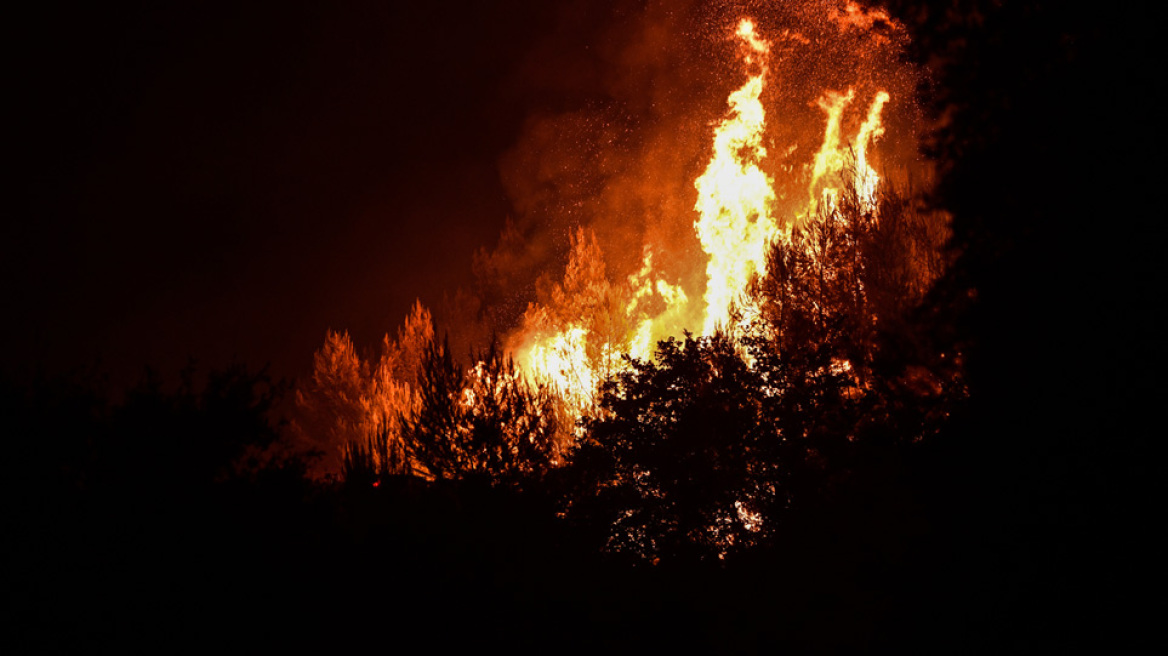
(735, 195)
(646, 286)
(830, 159)
(833, 155)
(872, 129)
(573, 358)
(562, 360)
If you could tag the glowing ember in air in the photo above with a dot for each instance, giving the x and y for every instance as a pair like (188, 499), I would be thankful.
(735, 195)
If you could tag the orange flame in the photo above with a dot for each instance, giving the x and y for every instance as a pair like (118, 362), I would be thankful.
(735, 195)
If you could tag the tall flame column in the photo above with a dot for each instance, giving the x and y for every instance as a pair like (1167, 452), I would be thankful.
(735, 195)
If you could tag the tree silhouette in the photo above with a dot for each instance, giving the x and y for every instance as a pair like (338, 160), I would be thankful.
(485, 422)
(839, 340)
(678, 465)
(1058, 260)
(188, 438)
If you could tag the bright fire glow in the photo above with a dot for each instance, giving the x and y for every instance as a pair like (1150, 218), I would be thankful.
(735, 196)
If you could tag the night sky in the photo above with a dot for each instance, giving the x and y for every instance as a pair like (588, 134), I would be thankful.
(226, 182)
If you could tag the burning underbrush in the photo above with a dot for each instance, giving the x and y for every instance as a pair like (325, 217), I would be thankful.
(677, 392)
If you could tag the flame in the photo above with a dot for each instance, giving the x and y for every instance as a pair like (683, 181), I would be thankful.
(563, 344)
(572, 357)
(647, 287)
(561, 359)
(855, 17)
(830, 159)
(872, 129)
(833, 157)
(735, 195)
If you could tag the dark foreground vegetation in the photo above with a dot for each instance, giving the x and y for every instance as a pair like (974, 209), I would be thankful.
(139, 525)
(1022, 523)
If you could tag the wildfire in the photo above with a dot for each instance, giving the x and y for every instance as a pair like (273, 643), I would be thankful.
(735, 227)
(562, 360)
(577, 340)
(823, 70)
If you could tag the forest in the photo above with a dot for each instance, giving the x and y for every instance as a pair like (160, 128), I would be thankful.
(924, 429)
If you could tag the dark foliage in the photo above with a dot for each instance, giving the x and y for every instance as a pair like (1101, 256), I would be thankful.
(698, 455)
(193, 436)
(845, 343)
(154, 441)
(379, 456)
(678, 464)
(121, 517)
(1049, 481)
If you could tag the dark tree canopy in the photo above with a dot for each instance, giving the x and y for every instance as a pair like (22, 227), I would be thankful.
(679, 463)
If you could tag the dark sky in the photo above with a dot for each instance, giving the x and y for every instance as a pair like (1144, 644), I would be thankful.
(226, 181)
